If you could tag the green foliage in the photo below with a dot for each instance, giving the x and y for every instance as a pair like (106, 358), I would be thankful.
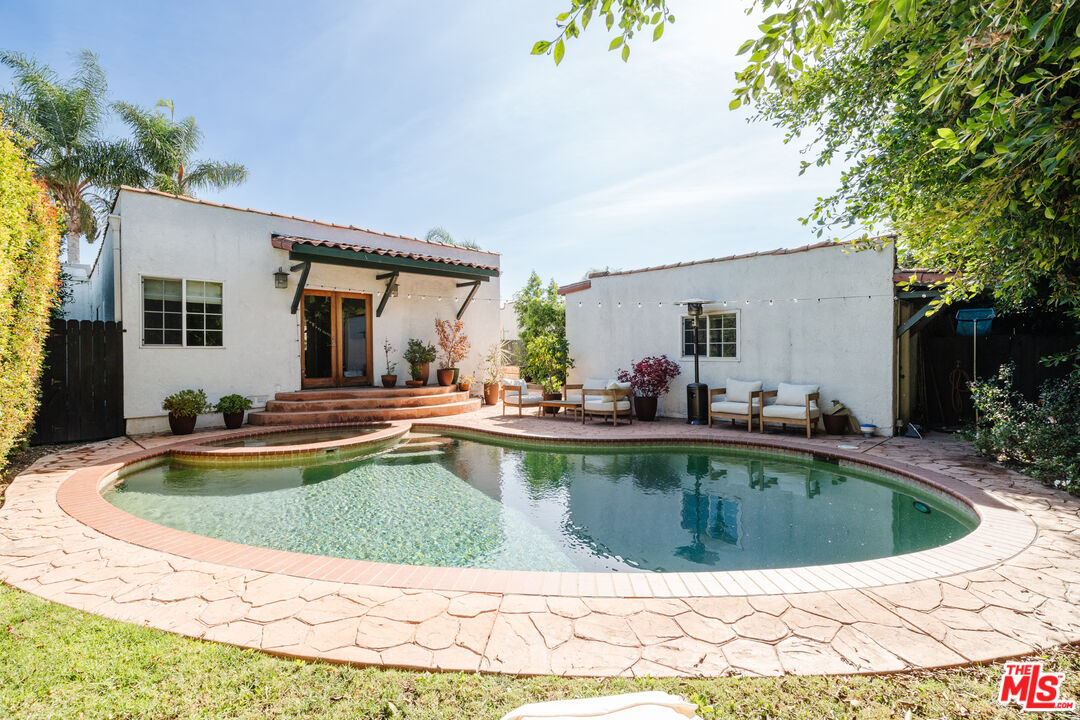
(63, 120)
(1043, 437)
(387, 349)
(443, 236)
(232, 404)
(494, 361)
(418, 352)
(186, 403)
(29, 271)
(959, 124)
(541, 316)
(166, 148)
(547, 358)
(629, 15)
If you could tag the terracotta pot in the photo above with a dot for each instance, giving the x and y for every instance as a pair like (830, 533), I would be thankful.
(425, 370)
(414, 383)
(552, 396)
(446, 376)
(464, 386)
(182, 424)
(233, 420)
(389, 380)
(645, 408)
(491, 393)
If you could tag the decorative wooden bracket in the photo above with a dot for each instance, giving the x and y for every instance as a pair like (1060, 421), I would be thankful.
(390, 278)
(468, 298)
(920, 315)
(306, 266)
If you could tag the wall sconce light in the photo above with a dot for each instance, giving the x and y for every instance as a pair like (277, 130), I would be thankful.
(281, 279)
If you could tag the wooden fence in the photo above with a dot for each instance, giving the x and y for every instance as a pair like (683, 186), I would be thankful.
(82, 384)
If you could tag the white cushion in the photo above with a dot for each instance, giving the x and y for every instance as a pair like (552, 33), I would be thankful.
(605, 406)
(739, 390)
(733, 408)
(512, 399)
(517, 383)
(789, 412)
(616, 385)
(788, 394)
(597, 398)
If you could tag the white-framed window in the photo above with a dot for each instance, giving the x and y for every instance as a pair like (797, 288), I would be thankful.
(182, 313)
(717, 336)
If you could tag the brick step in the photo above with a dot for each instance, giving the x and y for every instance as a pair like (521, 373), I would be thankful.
(363, 392)
(364, 415)
(364, 402)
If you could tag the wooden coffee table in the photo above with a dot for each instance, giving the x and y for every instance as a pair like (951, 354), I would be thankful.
(566, 405)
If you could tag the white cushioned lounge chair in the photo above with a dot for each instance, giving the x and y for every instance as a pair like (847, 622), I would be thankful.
(520, 394)
(742, 401)
(607, 398)
(793, 405)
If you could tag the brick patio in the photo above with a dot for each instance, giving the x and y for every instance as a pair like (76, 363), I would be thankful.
(1016, 593)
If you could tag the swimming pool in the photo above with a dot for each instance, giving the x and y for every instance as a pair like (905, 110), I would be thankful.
(299, 437)
(436, 500)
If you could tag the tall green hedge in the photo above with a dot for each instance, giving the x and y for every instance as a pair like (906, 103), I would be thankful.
(29, 269)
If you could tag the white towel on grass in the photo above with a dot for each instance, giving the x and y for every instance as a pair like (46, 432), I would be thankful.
(632, 706)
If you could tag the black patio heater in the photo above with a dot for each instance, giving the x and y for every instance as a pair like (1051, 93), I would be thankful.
(697, 392)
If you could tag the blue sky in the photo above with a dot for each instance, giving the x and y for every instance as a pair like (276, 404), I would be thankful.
(402, 116)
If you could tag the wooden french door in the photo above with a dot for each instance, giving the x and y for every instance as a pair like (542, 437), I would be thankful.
(335, 339)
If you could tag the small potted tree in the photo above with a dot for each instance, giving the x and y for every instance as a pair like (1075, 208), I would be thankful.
(233, 407)
(389, 379)
(454, 344)
(184, 408)
(547, 358)
(465, 383)
(649, 378)
(419, 356)
(493, 365)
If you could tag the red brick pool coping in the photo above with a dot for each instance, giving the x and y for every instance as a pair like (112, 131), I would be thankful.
(1002, 530)
(1013, 604)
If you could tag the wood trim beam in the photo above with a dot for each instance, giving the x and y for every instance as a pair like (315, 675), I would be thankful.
(390, 279)
(354, 258)
(300, 285)
(468, 299)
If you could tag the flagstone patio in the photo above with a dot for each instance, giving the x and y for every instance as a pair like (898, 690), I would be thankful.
(980, 607)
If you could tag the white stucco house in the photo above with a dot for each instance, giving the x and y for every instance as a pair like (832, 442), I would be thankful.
(235, 300)
(823, 314)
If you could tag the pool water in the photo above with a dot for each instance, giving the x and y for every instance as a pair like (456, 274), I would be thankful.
(435, 500)
(300, 437)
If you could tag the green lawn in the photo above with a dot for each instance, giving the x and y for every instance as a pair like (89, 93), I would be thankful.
(61, 663)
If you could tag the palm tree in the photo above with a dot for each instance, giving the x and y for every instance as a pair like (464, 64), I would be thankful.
(63, 122)
(442, 235)
(166, 148)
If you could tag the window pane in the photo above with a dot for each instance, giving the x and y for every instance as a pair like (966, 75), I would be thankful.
(172, 337)
(152, 320)
(161, 305)
(152, 337)
(171, 321)
(195, 322)
(213, 338)
(195, 307)
(203, 309)
(195, 338)
(213, 322)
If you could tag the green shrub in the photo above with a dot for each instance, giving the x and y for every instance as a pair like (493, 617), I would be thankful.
(186, 403)
(232, 404)
(418, 352)
(1043, 437)
(29, 269)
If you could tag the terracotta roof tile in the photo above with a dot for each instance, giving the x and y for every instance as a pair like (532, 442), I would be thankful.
(286, 242)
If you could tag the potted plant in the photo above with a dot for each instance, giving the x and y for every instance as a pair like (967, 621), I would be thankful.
(184, 409)
(493, 365)
(465, 383)
(455, 346)
(389, 379)
(233, 408)
(419, 356)
(547, 358)
(649, 378)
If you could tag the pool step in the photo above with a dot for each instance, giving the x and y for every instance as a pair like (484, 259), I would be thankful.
(398, 455)
(454, 404)
(363, 401)
(426, 443)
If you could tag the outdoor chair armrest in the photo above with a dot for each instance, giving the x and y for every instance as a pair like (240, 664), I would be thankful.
(511, 388)
(717, 391)
(567, 388)
(765, 394)
(534, 386)
(811, 397)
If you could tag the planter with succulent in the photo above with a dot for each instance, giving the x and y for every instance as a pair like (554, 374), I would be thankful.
(419, 356)
(465, 383)
(233, 408)
(184, 408)
(649, 378)
(389, 379)
(454, 344)
(493, 365)
(547, 358)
